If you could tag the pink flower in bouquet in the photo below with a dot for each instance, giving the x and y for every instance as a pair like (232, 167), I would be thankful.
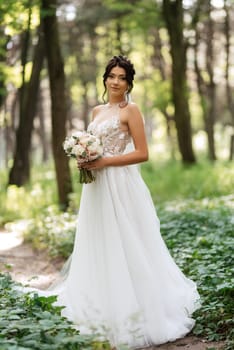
(85, 147)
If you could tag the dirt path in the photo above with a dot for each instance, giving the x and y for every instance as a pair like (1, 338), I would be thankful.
(37, 270)
(24, 263)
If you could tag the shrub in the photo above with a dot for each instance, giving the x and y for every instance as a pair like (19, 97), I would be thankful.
(52, 230)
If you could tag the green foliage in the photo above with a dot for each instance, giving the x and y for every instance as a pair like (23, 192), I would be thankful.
(133, 12)
(166, 180)
(199, 234)
(195, 209)
(29, 202)
(200, 238)
(14, 14)
(52, 230)
(172, 180)
(29, 321)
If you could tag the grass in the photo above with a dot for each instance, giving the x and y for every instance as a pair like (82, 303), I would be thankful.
(172, 180)
(167, 181)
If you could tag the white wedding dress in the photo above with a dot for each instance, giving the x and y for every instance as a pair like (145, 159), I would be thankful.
(122, 283)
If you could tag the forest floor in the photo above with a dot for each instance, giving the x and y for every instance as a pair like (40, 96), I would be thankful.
(36, 269)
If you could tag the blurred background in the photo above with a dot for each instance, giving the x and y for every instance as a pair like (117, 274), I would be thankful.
(52, 57)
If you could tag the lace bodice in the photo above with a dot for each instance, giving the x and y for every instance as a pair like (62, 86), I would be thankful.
(107, 127)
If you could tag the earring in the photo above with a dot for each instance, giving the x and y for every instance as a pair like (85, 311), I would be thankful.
(126, 96)
(124, 103)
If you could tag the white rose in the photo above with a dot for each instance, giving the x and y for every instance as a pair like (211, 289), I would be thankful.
(69, 143)
(92, 147)
(99, 150)
(77, 134)
(92, 138)
(78, 151)
(84, 140)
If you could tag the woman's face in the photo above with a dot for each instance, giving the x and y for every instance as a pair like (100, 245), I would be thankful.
(116, 83)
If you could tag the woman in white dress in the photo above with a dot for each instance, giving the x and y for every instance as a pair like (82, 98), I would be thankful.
(122, 282)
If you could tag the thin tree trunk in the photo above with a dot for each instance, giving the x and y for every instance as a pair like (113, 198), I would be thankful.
(201, 85)
(229, 91)
(173, 15)
(24, 56)
(85, 105)
(159, 63)
(86, 65)
(207, 90)
(157, 57)
(20, 172)
(94, 51)
(11, 126)
(58, 100)
(118, 36)
(3, 54)
(42, 129)
(211, 89)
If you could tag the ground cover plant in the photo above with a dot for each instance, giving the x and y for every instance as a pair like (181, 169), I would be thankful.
(200, 237)
(29, 321)
(196, 210)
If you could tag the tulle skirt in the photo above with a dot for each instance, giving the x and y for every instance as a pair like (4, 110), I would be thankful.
(122, 283)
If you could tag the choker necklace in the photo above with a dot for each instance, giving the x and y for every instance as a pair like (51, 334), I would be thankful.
(121, 104)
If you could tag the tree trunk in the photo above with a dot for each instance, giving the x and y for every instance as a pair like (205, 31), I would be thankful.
(24, 55)
(58, 100)
(173, 15)
(20, 172)
(229, 90)
(85, 109)
(157, 58)
(119, 36)
(42, 129)
(211, 89)
(3, 54)
(207, 90)
(159, 63)
(84, 46)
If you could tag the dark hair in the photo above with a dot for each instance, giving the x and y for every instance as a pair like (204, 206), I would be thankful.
(126, 64)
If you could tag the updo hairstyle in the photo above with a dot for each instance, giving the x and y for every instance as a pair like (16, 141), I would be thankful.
(123, 62)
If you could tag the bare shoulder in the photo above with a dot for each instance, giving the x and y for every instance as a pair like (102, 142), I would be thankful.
(96, 110)
(132, 106)
(130, 111)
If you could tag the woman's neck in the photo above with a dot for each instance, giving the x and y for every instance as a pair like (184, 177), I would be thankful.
(120, 103)
(115, 101)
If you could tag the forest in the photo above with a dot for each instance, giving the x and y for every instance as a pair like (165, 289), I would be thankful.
(52, 59)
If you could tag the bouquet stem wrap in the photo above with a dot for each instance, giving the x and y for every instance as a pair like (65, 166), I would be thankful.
(86, 176)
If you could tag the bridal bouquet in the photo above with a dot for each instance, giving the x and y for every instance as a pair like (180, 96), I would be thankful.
(85, 147)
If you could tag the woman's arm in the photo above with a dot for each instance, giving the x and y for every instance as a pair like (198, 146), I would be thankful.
(132, 120)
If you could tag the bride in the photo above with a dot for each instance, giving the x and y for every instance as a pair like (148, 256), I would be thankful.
(122, 283)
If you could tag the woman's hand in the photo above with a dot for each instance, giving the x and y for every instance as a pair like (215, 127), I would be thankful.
(97, 164)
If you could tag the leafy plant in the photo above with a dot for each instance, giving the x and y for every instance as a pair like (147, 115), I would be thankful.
(199, 234)
(52, 230)
(201, 241)
(196, 213)
(29, 321)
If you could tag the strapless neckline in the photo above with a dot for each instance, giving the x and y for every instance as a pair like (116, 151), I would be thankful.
(107, 127)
